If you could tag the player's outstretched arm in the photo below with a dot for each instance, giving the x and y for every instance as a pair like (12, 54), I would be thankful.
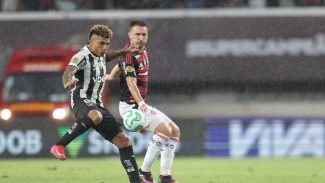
(112, 54)
(114, 73)
(67, 78)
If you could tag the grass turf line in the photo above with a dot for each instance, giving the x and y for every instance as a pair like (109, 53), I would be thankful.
(186, 170)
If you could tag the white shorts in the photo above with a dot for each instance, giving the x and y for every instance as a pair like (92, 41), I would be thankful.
(153, 115)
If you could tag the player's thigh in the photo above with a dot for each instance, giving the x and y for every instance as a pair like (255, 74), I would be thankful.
(82, 108)
(109, 127)
(155, 117)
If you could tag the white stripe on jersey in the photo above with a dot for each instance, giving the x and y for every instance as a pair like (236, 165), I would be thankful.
(98, 63)
(87, 72)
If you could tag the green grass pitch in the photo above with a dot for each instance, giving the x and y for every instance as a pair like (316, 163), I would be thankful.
(186, 170)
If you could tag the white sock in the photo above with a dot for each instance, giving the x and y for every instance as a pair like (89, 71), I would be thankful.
(167, 156)
(155, 147)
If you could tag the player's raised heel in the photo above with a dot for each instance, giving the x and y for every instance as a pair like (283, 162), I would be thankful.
(167, 179)
(146, 177)
(58, 152)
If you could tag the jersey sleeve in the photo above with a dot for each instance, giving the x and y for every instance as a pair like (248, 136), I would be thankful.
(78, 61)
(127, 66)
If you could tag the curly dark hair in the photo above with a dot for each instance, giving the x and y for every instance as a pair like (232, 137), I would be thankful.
(101, 30)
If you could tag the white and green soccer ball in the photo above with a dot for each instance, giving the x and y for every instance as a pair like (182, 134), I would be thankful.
(134, 120)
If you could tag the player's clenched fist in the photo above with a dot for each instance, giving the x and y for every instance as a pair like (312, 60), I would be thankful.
(71, 84)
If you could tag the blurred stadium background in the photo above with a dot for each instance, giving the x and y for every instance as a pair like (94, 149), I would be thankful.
(242, 78)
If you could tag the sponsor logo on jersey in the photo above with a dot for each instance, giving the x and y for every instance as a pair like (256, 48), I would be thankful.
(99, 79)
(129, 68)
(74, 60)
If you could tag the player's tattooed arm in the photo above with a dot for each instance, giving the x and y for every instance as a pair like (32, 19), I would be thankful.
(67, 78)
(112, 54)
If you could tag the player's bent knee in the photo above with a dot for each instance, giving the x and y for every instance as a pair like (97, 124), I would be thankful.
(164, 128)
(121, 140)
(175, 130)
(95, 116)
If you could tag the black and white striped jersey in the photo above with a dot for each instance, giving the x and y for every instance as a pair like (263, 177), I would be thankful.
(91, 74)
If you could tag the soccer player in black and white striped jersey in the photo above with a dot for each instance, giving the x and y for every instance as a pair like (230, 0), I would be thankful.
(85, 77)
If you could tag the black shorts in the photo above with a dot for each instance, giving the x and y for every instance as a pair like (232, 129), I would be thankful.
(108, 128)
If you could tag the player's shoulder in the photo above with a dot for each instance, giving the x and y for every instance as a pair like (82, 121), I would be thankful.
(128, 57)
(81, 54)
(79, 59)
(128, 54)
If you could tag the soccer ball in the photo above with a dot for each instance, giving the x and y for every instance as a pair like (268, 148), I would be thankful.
(134, 120)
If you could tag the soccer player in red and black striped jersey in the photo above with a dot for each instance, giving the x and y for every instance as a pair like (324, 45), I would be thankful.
(133, 70)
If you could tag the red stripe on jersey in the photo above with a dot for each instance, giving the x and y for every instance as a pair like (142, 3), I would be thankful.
(144, 79)
(144, 69)
(143, 90)
(128, 58)
(142, 57)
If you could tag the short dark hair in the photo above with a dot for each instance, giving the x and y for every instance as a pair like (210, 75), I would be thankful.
(138, 23)
(100, 30)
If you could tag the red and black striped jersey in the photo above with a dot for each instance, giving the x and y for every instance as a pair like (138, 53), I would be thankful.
(134, 65)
